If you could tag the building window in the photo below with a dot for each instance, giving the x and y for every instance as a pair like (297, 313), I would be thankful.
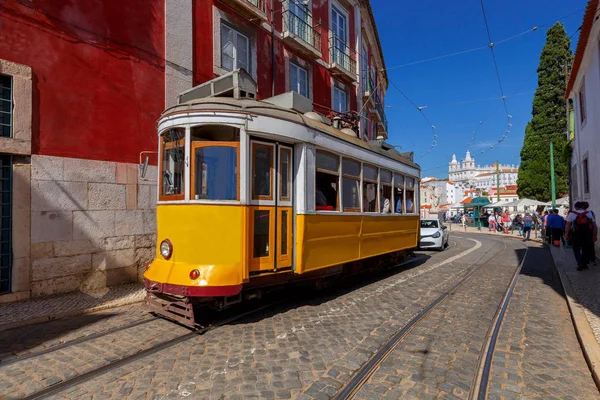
(235, 49)
(327, 181)
(586, 177)
(5, 106)
(339, 34)
(340, 100)
(582, 108)
(298, 79)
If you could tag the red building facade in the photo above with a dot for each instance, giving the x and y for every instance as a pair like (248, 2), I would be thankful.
(83, 84)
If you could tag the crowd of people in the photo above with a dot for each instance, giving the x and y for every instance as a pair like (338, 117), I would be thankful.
(576, 229)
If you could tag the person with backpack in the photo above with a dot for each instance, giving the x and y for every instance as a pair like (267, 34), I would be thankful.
(527, 224)
(586, 205)
(581, 233)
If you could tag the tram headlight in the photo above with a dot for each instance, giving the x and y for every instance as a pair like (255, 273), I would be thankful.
(166, 249)
(436, 235)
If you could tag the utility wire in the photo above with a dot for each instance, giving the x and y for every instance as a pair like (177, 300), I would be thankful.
(533, 29)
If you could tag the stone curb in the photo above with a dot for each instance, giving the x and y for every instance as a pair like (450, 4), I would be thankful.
(67, 314)
(585, 335)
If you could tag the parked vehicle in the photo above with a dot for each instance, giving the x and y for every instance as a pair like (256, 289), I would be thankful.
(434, 234)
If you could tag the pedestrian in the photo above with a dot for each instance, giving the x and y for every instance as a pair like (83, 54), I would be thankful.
(586, 206)
(527, 223)
(505, 222)
(463, 220)
(554, 227)
(581, 234)
(492, 222)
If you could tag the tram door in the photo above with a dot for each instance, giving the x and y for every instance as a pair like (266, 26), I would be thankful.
(270, 216)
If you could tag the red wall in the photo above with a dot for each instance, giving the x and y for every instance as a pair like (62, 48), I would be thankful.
(98, 69)
(321, 82)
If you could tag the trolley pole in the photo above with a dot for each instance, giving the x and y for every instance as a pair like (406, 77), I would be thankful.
(552, 182)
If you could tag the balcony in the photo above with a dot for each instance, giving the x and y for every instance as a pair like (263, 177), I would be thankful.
(367, 88)
(299, 34)
(382, 126)
(342, 59)
(250, 8)
(377, 110)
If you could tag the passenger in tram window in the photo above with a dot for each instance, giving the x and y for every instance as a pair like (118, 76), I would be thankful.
(409, 202)
(385, 200)
(325, 192)
(399, 202)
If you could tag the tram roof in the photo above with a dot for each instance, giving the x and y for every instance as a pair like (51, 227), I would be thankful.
(271, 110)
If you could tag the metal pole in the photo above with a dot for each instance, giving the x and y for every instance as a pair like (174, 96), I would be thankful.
(497, 181)
(553, 184)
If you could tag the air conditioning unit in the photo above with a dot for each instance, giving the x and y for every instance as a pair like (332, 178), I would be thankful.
(237, 84)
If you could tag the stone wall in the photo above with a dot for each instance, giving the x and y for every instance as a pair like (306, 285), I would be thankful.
(93, 224)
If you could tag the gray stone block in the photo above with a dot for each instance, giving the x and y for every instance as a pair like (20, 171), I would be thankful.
(46, 168)
(58, 196)
(57, 267)
(107, 196)
(51, 226)
(129, 222)
(93, 225)
(81, 170)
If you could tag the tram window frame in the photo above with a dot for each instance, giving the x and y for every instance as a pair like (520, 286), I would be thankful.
(410, 188)
(370, 181)
(165, 146)
(288, 178)
(271, 147)
(386, 188)
(399, 185)
(201, 144)
(351, 176)
(328, 173)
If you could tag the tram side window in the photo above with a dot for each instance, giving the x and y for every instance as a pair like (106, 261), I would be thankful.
(173, 164)
(399, 193)
(410, 195)
(369, 188)
(214, 162)
(351, 185)
(385, 179)
(262, 171)
(327, 178)
(215, 172)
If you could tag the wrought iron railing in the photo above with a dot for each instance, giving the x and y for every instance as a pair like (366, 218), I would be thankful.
(260, 4)
(341, 54)
(384, 121)
(367, 85)
(302, 28)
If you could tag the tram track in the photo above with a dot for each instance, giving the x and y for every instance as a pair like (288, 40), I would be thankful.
(111, 366)
(16, 359)
(481, 375)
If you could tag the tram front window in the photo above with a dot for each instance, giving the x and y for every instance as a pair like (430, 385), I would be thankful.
(215, 172)
(173, 165)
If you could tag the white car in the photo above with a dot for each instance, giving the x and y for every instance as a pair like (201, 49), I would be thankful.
(434, 234)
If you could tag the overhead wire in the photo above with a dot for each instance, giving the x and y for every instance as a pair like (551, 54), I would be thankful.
(533, 29)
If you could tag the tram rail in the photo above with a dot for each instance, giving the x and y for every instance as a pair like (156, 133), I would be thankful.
(19, 358)
(481, 379)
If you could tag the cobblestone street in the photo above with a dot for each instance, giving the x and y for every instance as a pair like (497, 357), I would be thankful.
(308, 347)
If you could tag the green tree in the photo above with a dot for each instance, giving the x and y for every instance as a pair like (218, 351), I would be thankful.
(548, 122)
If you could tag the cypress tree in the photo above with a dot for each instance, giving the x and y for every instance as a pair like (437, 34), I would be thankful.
(548, 122)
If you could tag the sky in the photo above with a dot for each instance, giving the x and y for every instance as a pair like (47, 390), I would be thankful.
(412, 31)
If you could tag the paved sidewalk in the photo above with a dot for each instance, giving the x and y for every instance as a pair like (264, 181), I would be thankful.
(458, 228)
(13, 315)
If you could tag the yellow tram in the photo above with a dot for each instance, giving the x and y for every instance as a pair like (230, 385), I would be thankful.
(259, 193)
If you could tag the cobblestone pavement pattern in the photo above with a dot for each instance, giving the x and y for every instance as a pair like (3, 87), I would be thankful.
(538, 355)
(301, 350)
(439, 357)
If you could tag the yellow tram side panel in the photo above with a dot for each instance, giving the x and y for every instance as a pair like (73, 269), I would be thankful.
(209, 238)
(326, 240)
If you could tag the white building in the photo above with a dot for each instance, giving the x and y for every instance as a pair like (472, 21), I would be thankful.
(583, 92)
(466, 174)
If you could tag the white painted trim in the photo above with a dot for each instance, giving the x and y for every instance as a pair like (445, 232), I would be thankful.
(244, 166)
(187, 164)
